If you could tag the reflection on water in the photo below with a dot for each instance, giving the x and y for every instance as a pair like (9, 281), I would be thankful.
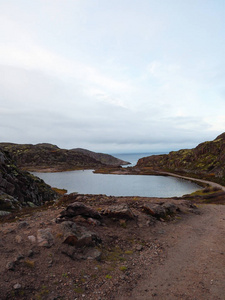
(86, 182)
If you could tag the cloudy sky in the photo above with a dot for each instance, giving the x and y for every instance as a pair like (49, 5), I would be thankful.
(112, 76)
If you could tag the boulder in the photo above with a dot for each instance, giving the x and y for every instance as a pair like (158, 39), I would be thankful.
(160, 211)
(77, 209)
(120, 211)
(78, 236)
(45, 238)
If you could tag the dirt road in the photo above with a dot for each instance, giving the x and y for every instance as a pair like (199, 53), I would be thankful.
(194, 264)
(210, 183)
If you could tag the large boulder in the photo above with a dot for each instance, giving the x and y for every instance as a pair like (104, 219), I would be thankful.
(78, 236)
(78, 209)
(160, 211)
(120, 211)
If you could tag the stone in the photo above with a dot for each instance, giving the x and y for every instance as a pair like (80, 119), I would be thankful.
(78, 236)
(4, 213)
(19, 257)
(93, 253)
(32, 238)
(139, 247)
(23, 224)
(120, 211)
(78, 209)
(17, 286)
(10, 266)
(45, 238)
(31, 204)
(93, 222)
(30, 253)
(18, 239)
(170, 208)
(155, 210)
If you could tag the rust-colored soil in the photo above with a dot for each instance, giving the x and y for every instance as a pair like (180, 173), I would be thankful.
(145, 258)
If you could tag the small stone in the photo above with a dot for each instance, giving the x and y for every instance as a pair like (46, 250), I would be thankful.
(94, 254)
(18, 239)
(10, 266)
(45, 238)
(17, 286)
(139, 247)
(32, 238)
(23, 224)
(30, 253)
(19, 257)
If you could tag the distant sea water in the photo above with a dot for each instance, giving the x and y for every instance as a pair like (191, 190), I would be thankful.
(86, 182)
(134, 157)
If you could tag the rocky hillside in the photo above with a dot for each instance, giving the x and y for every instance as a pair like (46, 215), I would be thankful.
(102, 157)
(19, 188)
(47, 157)
(206, 160)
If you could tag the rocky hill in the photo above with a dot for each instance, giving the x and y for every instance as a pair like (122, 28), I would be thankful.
(207, 160)
(102, 157)
(49, 158)
(19, 188)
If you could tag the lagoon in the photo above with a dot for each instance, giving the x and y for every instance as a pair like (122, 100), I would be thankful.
(87, 182)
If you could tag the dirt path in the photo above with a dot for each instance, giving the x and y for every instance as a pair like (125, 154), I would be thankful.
(194, 266)
(211, 183)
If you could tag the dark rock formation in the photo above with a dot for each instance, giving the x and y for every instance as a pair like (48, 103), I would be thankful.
(78, 209)
(19, 188)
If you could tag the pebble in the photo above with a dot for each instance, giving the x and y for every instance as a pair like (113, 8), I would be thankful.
(17, 286)
(10, 266)
(30, 253)
(139, 247)
(32, 238)
(18, 239)
(23, 224)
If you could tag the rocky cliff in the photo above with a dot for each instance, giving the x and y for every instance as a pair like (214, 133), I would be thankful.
(206, 160)
(19, 188)
(48, 157)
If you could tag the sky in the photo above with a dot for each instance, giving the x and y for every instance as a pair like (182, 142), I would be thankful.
(115, 76)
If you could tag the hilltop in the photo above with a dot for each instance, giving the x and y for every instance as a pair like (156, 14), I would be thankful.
(207, 161)
(102, 157)
(50, 158)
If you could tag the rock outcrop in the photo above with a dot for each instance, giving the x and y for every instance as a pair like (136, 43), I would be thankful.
(206, 160)
(19, 188)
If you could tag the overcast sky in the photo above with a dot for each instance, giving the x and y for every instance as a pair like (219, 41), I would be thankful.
(112, 76)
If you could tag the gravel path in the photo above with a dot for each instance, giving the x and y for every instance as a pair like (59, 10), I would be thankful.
(194, 264)
(213, 184)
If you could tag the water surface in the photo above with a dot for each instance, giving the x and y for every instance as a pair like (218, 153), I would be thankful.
(86, 182)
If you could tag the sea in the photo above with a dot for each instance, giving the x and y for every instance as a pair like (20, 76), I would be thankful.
(87, 182)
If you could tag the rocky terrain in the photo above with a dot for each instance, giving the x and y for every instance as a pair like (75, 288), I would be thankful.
(50, 158)
(99, 247)
(207, 161)
(85, 246)
(19, 188)
(105, 159)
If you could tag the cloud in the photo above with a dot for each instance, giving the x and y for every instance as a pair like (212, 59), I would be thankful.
(110, 75)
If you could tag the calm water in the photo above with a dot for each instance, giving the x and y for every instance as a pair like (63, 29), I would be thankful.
(133, 157)
(86, 182)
